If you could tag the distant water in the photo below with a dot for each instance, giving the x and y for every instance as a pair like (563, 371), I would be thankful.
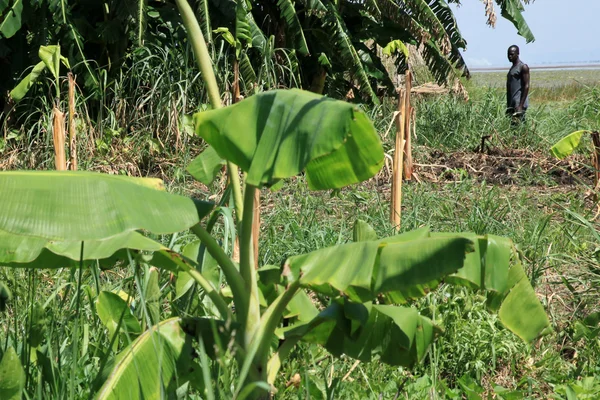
(556, 67)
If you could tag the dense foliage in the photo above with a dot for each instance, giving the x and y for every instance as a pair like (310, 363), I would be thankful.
(284, 42)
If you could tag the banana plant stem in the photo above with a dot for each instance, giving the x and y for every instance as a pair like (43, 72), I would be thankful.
(258, 350)
(234, 279)
(212, 293)
(270, 320)
(247, 264)
(206, 68)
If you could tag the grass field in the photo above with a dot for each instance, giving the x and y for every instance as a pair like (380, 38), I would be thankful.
(514, 189)
(545, 78)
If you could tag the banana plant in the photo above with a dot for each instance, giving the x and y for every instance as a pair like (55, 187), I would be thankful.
(50, 59)
(568, 144)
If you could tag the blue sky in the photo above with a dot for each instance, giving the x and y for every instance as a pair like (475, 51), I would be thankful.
(565, 32)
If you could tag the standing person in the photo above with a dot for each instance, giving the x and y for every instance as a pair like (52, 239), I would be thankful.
(517, 87)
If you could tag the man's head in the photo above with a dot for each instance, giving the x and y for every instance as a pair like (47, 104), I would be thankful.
(513, 53)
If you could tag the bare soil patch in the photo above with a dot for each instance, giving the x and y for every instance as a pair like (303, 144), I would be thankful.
(504, 167)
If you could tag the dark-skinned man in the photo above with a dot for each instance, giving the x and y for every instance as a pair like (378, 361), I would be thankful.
(517, 87)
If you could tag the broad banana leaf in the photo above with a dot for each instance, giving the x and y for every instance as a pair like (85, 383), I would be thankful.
(204, 20)
(161, 360)
(152, 294)
(12, 18)
(410, 265)
(12, 376)
(50, 55)
(295, 130)
(567, 145)
(156, 363)
(247, 71)
(32, 252)
(398, 335)
(26, 83)
(259, 40)
(51, 58)
(367, 269)
(363, 232)
(81, 206)
(342, 40)
(339, 42)
(243, 34)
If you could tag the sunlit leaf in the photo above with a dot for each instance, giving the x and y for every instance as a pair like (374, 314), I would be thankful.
(567, 145)
(296, 130)
(26, 83)
(206, 166)
(76, 206)
(33, 252)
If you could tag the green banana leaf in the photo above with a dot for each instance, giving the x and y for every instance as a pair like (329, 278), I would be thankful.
(152, 295)
(206, 166)
(567, 145)
(364, 270)
(408, 266)
(51, 59)
(288, 13)
(112, 310)
(81, 206)
(12, 376)
(12, 18)
(26, 83)
(243, 34)
(334, 141)
(363, 232)
(50, 55)
(395, 46)
(150, 365)
(512, 11)
(160, 360)
(398, 335)
(32, 252)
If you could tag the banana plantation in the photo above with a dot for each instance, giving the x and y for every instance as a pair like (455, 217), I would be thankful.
(205, 199)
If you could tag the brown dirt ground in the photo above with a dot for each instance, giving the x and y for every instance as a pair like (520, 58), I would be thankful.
(502, 167)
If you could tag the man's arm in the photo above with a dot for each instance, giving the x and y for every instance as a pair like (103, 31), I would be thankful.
(525, 89)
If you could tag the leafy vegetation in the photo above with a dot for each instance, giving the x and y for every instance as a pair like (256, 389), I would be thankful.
(109, 280)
